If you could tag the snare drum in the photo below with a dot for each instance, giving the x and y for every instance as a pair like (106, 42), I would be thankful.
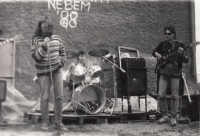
(94, 70)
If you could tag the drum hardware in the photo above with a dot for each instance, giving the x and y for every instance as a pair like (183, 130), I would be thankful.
(89, 93)
(109, 57)
(90, 98)
(75, 106)
(72, 76)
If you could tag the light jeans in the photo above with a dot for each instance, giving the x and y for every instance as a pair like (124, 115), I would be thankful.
(45, 86)
(163, 85)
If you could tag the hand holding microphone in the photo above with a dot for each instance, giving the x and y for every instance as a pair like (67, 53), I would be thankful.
(46, 39)
(44, 44)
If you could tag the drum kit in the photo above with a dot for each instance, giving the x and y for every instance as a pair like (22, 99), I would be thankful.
(88, 97)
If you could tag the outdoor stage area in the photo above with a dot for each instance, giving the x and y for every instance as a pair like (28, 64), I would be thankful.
(108, 113)
(111, 110)
(22, 117)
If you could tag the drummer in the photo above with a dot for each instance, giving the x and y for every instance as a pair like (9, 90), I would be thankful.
(88, 78)
(81, 61)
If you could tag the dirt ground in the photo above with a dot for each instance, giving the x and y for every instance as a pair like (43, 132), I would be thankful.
(111, 129)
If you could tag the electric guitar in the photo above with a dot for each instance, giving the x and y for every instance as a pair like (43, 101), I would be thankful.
(162, 62)
(15, 38)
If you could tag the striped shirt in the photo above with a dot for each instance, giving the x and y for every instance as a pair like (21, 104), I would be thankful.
(56, 52)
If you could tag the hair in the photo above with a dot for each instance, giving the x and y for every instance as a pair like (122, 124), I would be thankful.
(81, 53)
(171, 29)
(38, 31)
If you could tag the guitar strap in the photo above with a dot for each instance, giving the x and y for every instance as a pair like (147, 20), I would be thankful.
(173, 45)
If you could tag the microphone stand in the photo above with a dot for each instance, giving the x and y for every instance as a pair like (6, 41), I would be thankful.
(114, 104)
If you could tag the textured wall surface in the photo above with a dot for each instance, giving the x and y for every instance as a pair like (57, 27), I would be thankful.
(137, 24)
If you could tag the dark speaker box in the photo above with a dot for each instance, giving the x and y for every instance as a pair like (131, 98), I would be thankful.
(133, 63)
(134, 81)
(3, 87)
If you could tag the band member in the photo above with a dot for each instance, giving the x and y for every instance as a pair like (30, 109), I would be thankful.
(81, 67)
(170, 72)
(49, 55)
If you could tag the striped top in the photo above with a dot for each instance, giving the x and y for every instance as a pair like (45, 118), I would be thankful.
(40, 55)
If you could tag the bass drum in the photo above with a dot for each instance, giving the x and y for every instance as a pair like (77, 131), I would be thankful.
(91, 97)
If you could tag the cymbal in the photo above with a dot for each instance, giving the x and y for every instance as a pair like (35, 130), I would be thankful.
(98, 52)
(70, 54)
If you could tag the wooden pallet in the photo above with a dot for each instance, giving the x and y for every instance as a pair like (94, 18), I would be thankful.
(98, 118)
(32, 118)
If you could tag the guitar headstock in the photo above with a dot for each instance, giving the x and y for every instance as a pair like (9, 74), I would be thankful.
(194, 43)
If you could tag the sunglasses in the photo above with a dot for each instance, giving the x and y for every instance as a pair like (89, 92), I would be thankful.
(168, 33)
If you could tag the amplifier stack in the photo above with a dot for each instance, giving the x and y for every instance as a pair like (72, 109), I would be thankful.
(134, 81)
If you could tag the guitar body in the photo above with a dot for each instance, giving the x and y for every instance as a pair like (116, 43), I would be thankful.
(162, 63)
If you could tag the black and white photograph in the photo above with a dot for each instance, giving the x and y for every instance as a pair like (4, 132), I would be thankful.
(99, 67)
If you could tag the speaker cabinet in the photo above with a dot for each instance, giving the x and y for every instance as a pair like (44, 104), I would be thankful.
(133, 63)
(134, 81)
(3, 87)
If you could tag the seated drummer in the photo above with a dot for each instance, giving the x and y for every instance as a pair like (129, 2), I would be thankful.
(80, 60)
(88, 78)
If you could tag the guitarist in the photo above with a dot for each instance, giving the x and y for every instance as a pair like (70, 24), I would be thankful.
(170, 69)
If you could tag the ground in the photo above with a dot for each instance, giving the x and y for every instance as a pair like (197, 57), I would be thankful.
(110, 129)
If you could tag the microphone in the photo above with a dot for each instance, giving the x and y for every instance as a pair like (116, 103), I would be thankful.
(46, 39)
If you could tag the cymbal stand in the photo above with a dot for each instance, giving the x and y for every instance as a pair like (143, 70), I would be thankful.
(73, 101)
(114, 103)
(105, 88)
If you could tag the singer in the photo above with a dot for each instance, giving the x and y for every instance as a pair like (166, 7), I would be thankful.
(170, 73)
(49, 55)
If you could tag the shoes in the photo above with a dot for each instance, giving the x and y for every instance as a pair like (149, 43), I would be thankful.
(61, 127)
(173, 121)
(45, 126)
(163, 119)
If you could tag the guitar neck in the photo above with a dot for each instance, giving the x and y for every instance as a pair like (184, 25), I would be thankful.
(173, 53)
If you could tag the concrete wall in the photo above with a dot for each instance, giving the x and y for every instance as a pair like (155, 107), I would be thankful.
(137, 24)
